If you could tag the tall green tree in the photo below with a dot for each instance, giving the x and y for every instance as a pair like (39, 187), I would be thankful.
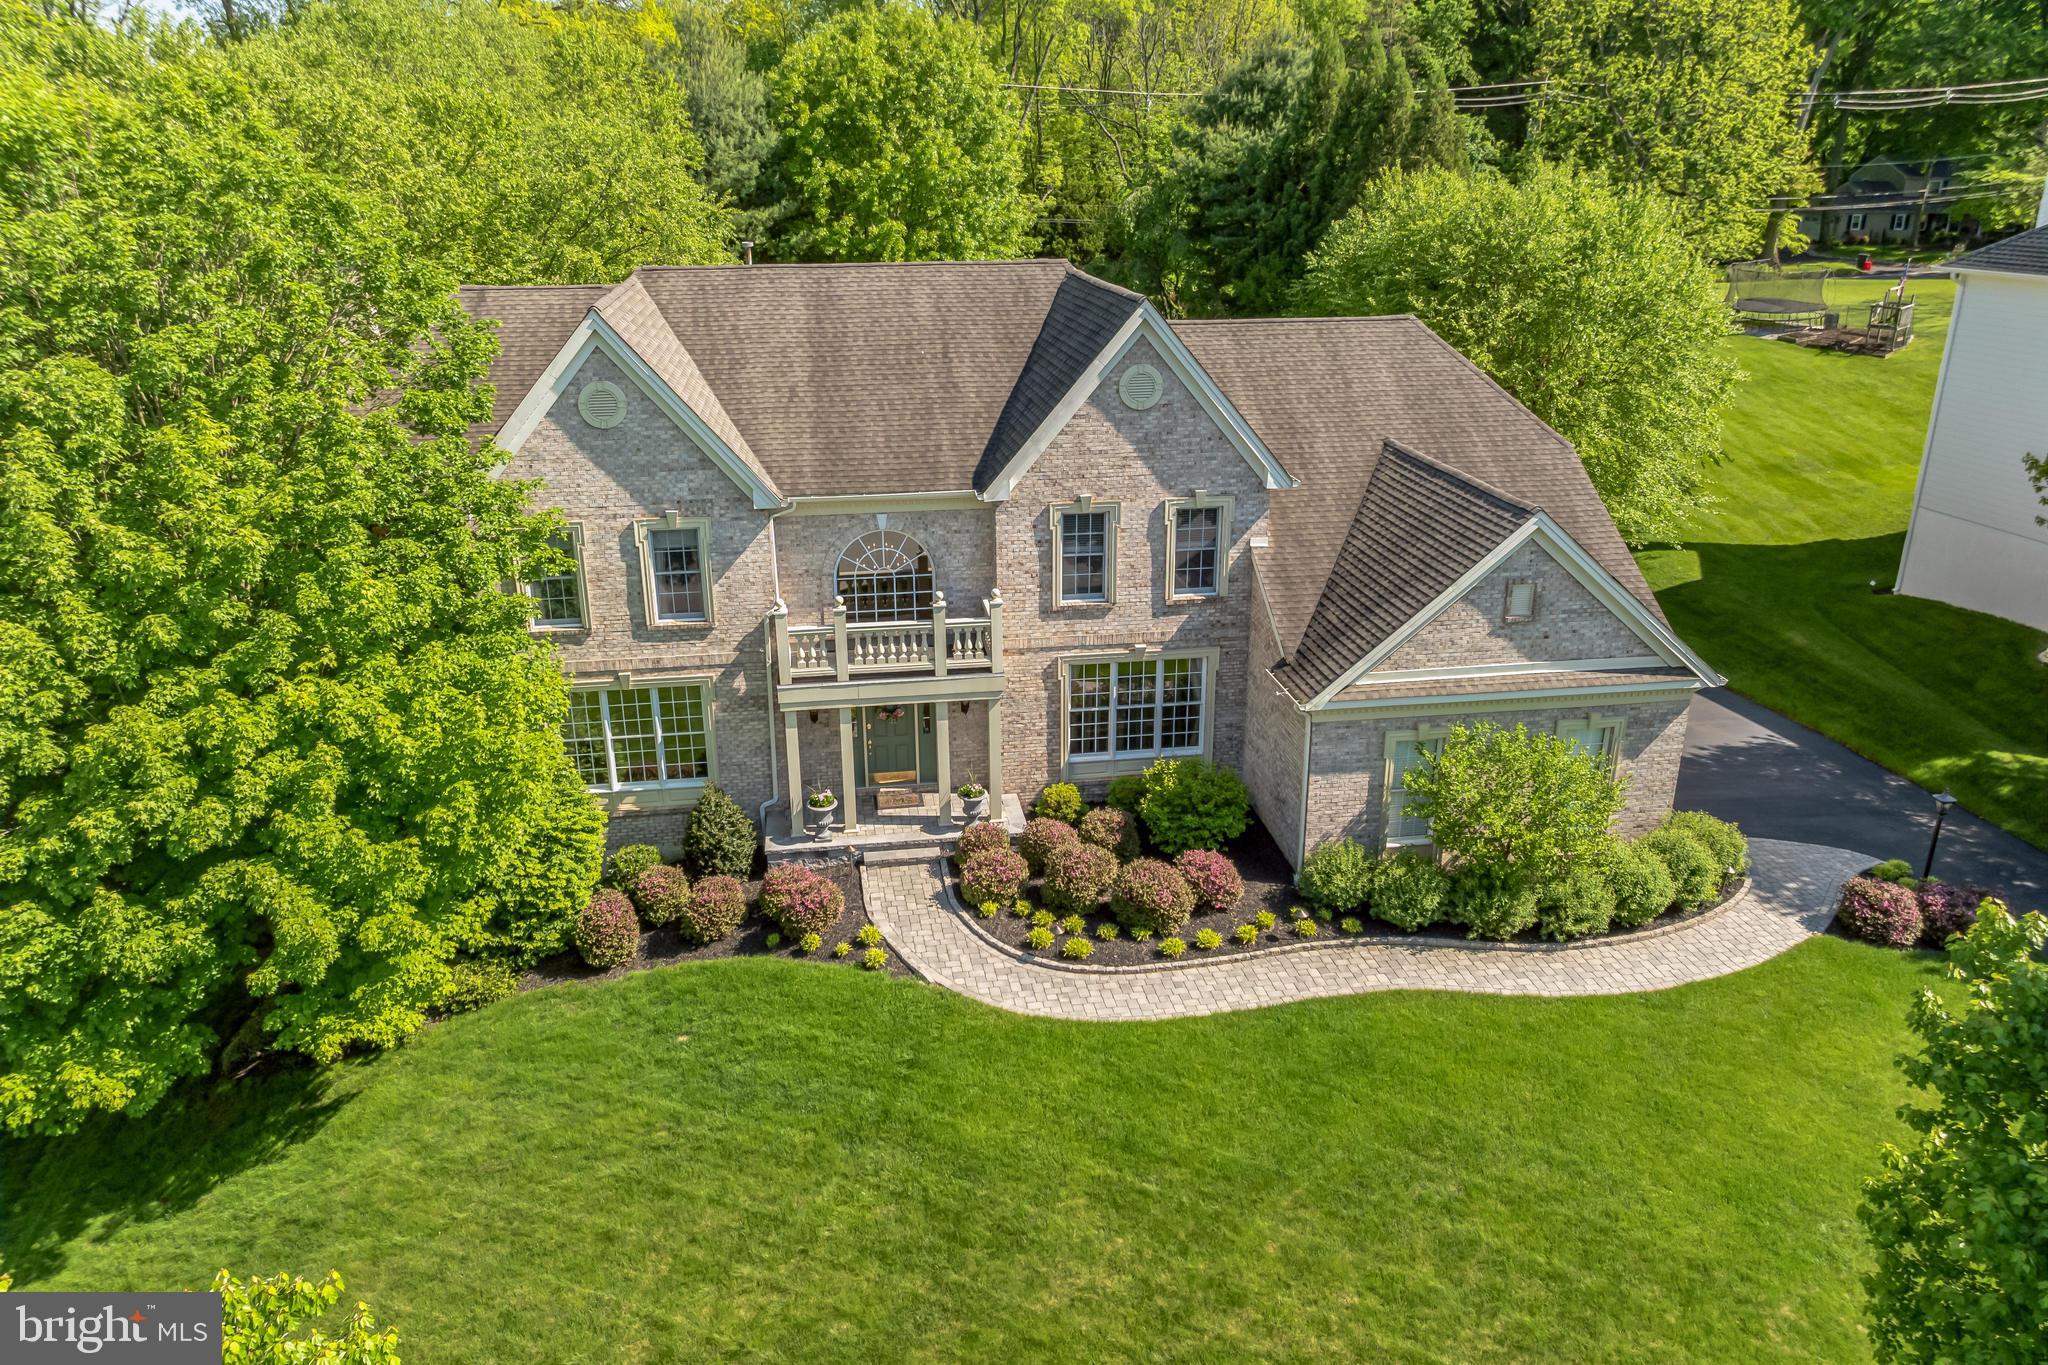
(1956, 1218)
(898, 143)
(520, 143)
(1275, 154)
(1584, 299)
(272, 736)
(1699, 99)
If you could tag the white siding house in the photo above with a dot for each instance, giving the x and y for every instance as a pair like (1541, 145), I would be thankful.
(1975, 540)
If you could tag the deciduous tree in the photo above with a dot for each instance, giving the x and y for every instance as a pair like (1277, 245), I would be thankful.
(1527, 805)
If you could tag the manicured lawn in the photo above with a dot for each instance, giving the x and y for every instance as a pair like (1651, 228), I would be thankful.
(1772, 584)
(754, 1157)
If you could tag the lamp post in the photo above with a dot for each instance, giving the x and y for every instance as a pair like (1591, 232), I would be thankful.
(1942, 801)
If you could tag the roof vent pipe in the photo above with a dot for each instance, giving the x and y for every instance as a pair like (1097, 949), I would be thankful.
(747, 252)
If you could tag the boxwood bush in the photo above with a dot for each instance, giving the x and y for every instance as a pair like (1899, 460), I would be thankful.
(1060, 801)
(1337, 876)
(1642, 886)
(1042, 834)
(801, 899)
(1190, 803)
(660, 892)
(1491, 902)
(1880, 912)
(1151, 895)
(607, 932)
(627, 862)
(1215, 879)
(1579, 903)
(1076, 877)
(977, 839)
(1409, 891)
(720, 839)
(1113, 829)
(717, 905)
(994, 875)
(1695, 872)
(1724, 840)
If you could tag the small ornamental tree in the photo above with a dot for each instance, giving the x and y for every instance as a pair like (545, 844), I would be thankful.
(1956, 1218)
(1528, 805)
(720, 839)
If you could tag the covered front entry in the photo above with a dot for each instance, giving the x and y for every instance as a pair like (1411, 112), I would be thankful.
(895, 745)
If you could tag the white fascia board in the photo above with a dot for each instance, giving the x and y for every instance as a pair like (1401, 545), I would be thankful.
(592, 334)
(1147, 323)
(1522, 669)
(1504, 697)
(858, 504)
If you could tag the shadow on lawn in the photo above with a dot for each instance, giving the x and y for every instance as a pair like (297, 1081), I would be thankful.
(119, 1171)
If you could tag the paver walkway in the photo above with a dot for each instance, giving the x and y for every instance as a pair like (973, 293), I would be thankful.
(1792, 894)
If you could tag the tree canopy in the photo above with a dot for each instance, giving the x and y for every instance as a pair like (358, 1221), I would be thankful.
(1585, 300)
(1527, 805)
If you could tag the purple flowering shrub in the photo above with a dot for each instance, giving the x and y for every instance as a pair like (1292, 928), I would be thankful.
(975, 840)
(1076, 876)
(995, 875)
(1946, 909)
(1113, 829)
(717, 905)
(1040, 837)
(1151, 895)
(1880, 912)
(800, 899)
(661, 892)
(607, 932)
(1215, 880)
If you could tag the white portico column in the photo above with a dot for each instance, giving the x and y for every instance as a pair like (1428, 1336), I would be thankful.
(995, 759)
(942, 737)
(796, 776)
(848, 820)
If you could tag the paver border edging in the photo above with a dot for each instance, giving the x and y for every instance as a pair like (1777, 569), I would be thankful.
(1740, 894)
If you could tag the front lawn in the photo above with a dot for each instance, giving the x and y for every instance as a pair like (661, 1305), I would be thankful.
(761, 1157)
(1772, 584)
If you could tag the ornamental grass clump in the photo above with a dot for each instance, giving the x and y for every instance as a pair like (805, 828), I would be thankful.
(1151, 895)
(801, 899)
(661, 892)
(1946, 909)
(1208, 940)
(1409, 891)
(1642, 885)
(1214, 878)
(1077, 949)
(1077, 876)
(1060, 801)
(716, 906)
(1171, 947)
(607, 932)
(978, 839)
(1880, 912)
(1337, 876)
(1113, 829)
(1039, 939)
(1040, 837)
(995, 875)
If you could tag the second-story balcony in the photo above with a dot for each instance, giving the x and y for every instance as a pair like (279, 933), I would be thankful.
(934, 646)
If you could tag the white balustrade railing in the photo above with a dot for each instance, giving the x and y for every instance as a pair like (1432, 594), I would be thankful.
(843, 648)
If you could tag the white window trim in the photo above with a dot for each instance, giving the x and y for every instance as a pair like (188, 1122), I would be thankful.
(1112, 519)
(1508, 614)
(1856, 221)
(1421, 734)
(1083, 767)
(1900, 222)
(1610, 729)
(625, 682)
(643, 529)
(1226, 519)
(573, 532)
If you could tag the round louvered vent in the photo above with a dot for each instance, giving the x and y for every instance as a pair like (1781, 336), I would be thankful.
(1141, 387)
(601, 404)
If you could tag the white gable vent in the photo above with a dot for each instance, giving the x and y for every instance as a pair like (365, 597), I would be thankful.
(602, 404)
(1141, 387)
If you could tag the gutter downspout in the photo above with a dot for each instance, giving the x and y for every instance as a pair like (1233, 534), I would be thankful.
(768, 647)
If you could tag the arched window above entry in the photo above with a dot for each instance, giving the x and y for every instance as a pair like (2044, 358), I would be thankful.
(885, 576)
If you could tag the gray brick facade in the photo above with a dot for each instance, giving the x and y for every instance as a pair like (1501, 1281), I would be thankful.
(1569, 622)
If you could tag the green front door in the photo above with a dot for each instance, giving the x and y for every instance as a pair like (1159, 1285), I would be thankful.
(892, 745)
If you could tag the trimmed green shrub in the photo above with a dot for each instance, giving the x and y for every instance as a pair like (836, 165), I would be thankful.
(1060, 801)
(1724, 840)
(474, 982)
(1642, 885)
(1337, 876)
(627, 862)
(1208, 939)
(1409, 891)
(1038, 939)
(1580, 903)
(1491, 903)
(1077, 875)
(607, 932)
(801, 899)
(1042, 834)
(1695, 872)
(1127, 793)
(978, 839)
(1150, 895)
(1113, 829)
(1140, 935)
(720, 839)
(1169, 946)
(1077, 949)
(716, 906)
(660, 892)
(1896, 870)
(868, 936)
(1880, 912)
(1215, 879)
(774, 940)
(1190, 803)
(874, 959)
(993, 876)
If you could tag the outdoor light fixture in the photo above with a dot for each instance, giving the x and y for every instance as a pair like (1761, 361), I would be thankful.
(1942, 801)
(964, 705)
(814, 717)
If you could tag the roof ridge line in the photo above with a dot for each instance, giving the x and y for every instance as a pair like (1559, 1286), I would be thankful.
(1451, 471)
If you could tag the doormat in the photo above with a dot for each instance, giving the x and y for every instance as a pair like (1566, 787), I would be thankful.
(887, 799)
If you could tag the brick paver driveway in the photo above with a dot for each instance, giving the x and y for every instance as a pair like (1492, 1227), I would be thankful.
(1792, 894)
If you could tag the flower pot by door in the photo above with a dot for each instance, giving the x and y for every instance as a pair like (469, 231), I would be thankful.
(818, 819)
(975, 808)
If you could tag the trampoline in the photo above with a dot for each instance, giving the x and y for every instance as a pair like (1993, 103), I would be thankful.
(1761, 292)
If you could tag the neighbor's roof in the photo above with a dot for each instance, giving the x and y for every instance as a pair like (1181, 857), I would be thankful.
(2025, 253)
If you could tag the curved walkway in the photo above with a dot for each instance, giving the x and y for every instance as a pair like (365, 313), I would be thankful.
(1791, 896)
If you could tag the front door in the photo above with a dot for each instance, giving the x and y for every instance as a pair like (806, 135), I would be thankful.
(892, 744)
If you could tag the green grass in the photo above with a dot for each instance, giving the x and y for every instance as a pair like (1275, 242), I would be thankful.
(764, 1158)
(1772, 583)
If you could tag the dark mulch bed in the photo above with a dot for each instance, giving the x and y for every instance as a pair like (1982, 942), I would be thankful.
(662, 947)
(1268, 885)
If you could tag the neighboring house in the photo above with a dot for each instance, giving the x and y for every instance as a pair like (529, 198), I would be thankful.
(1975, 540)
(1886, 202)
(855, 526)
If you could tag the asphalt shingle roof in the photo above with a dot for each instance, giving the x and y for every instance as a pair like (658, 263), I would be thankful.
(2024, 253)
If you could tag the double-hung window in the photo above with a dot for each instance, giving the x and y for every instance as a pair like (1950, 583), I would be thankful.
(558, 598)
(628, 738)
(1404, 754)
(1136, 708)
(1084, 553)
(1595, 735)
(1197, 546)
(675, 579)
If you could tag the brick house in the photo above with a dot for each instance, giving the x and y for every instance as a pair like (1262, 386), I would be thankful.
(882, 528)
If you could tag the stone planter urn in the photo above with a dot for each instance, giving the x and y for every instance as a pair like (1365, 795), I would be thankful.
(818, 818)
(973, 802)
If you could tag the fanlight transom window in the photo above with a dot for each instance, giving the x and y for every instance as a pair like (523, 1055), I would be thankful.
(885, 576)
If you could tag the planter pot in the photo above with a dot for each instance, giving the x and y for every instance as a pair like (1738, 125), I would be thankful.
(975, 807)
(818, 819)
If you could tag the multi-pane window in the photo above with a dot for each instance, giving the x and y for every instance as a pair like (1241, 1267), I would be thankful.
(1084, 556)
(1134, 708)
(675, 565)
(1591, 735)
(885, 576)
(1403, 828)
(1197, 538)
(559, 597)
(639, 736)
